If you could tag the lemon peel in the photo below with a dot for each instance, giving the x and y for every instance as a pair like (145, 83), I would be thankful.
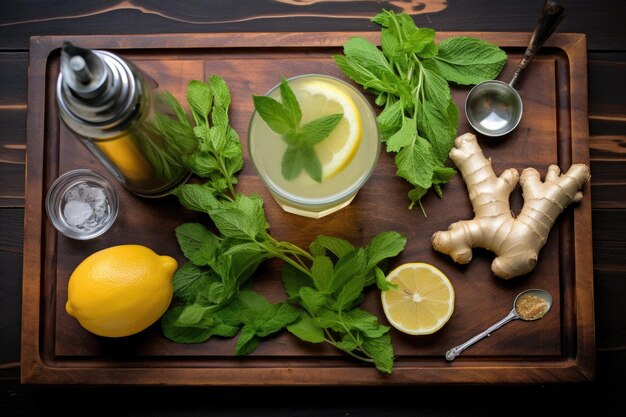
(121, 290)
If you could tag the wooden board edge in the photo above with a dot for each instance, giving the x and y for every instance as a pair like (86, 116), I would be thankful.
(271, 39)
(576, 50)
(545, 373)
(31, 361)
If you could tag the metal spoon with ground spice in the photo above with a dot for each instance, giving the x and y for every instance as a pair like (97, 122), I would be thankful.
(528, 305)
(531, 307)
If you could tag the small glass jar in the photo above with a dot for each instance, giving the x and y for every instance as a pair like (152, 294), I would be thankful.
(82, 204)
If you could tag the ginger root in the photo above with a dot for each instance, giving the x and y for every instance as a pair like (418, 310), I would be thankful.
(515, 241)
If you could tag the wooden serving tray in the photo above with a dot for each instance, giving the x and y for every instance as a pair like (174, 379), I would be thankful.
(560, 347)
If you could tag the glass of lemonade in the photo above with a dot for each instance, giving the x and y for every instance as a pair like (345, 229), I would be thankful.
(348, 156)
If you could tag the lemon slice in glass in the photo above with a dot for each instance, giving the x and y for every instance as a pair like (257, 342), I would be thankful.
(423, 302)
(318, 99)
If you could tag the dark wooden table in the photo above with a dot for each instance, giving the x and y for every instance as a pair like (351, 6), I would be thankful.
(602, 22)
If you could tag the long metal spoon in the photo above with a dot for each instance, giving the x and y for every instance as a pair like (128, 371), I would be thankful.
(515, 314)
(495, 108)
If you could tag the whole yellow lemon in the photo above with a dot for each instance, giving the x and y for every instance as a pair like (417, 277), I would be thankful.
(120, 290)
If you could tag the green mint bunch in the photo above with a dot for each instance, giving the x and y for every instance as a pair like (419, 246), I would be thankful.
(326, 283)
(204, 143)
(329, 292)
(284, 119)
(410, 78)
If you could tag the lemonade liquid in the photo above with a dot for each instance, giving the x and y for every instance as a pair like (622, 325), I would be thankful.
(303, 195)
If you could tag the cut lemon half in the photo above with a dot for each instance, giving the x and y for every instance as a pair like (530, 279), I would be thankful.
(318, 99)
(423, 302)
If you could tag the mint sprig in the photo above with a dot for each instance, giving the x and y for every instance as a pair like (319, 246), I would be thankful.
(410, 76)
(204, 143)
(326, 283)
(284, 118)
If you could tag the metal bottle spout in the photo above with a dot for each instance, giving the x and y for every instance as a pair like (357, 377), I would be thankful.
(84, 72)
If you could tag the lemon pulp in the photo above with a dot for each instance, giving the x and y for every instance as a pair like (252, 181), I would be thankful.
(318, 99)
(423, 301)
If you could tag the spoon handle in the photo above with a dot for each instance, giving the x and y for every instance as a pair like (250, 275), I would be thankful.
(456, 351)
(551, 15)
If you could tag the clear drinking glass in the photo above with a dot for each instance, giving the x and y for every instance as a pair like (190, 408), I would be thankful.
(303, 195)
(82, 204)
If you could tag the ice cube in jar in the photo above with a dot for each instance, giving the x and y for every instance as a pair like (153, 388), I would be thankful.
(82, 204)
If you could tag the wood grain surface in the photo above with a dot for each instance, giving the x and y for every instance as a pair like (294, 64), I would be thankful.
(603, 24)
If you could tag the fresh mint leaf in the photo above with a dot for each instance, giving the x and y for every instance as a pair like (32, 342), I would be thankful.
(440, 124)
(298, 159)
(337, 246)
(390, 120)
(347, 268)
(381, 351)
(247, 342)
(292, 163)
(293, 280)
(365, 322)
(312, 299)
(381, 280)
(243, 218)
(290, 102)
(312, 164)
(415, 163)
(179, 137)
(363, 75)
(347, 343)
(200, 99)
(436, 89)
(245, 258)
(369, 56)
(182, 334)
(196, 197)
(404, 137)
(322, 271)
(192, 314)
(221, 100)
(260, 319)
(442, 175)
(351, 291)
(383, 246)
(189, 280)
(330, 320)
(274, 113)
(201, 163)
(306, 329)
(430, 51)
(170, 101)
(197, 243)
(253, 302)
(317, 130)
(466, 61)
(274, 318)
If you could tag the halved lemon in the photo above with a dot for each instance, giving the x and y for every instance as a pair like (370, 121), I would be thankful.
(320, 98)
(423, 302)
